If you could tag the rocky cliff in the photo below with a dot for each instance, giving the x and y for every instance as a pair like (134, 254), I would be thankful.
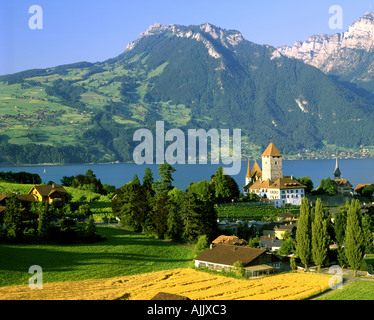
(336, 52)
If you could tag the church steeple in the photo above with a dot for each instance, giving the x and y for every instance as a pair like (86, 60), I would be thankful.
(248, 175)
(337, 172)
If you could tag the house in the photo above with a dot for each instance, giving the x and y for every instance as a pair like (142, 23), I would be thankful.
(269, 184)
(278, 229)
(223, 257)
(233, 240)
(361, 186)
(270, 244)
(286, 216)
(23, 198)
(50, 193)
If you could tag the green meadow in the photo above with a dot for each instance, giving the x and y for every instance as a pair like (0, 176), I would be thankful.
(122, 253)
(357, 290)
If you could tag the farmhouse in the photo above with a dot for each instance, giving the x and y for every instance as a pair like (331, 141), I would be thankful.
(49, 193)
(278, 229)
(269, 182)
(223, 257)
(234, 240)
(270, 244)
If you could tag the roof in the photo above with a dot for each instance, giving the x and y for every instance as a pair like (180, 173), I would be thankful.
(256, 170)
(270, 243)
(286, 215)
(20, 197)
(260, 184)
(46, 190)
(25, 197)
(342, 181)
(223, 238)
(287, 183)
(260, 267)
(359, 186)
(2, 208)
(271, 151)
(248, 175)
(229, 254)
(168, 296)
(337, 172)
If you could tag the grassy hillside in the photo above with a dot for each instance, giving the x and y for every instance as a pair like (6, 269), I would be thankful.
(100, 205)
(123, 253)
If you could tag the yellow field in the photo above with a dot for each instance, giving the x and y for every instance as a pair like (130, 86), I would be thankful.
(196, 285)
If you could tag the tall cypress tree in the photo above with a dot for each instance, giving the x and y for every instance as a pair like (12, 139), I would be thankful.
(303, 236)
(354, 240)
(319, 236)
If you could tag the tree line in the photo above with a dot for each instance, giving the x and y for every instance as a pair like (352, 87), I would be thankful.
(159, 209)
(351, 230)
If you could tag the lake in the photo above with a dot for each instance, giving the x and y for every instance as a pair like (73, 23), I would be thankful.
(355, 170)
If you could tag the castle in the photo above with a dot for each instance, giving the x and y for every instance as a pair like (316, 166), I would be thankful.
(269, 183)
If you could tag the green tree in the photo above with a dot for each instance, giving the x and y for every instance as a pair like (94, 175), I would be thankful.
(175, 226)
(193, 224)
(293, 263)
(367, 192)
(135, 180)
(340, 224)
(354, 240)
(164, 184)
(148, 179)
(367, 234)
(329, 186)
(44, 221)
(320, 236)
(239, 269)
(222, 191)
(288, 245)
(201, 245)
(12, 218)
(90, 227)
(131, 205)
(67, 181)
(160, 211)
(306, 181)
(303, 236)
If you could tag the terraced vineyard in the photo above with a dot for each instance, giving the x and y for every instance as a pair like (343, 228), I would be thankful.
(245, 212)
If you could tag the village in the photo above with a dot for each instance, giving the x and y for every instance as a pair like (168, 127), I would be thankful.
(256, 247)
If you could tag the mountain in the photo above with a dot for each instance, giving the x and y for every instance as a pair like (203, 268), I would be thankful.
(347, 56)
(188, 76)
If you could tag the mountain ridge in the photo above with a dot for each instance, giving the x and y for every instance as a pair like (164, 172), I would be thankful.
(188, 76)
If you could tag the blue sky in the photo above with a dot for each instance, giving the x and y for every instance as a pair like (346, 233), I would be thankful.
(96, 30)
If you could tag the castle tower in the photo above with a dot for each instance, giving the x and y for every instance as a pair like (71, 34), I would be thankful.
(248, 177)
(272, 164)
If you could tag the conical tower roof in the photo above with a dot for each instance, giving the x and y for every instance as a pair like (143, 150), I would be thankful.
(271, 151)
(256, 170)
(248, 175)
(337, 172)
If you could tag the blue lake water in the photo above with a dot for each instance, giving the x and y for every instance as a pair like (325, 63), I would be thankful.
(355, 170)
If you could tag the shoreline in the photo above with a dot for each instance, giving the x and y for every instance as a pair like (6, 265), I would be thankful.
(117, 162)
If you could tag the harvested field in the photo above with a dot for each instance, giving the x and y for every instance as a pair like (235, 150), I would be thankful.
(196, 285)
